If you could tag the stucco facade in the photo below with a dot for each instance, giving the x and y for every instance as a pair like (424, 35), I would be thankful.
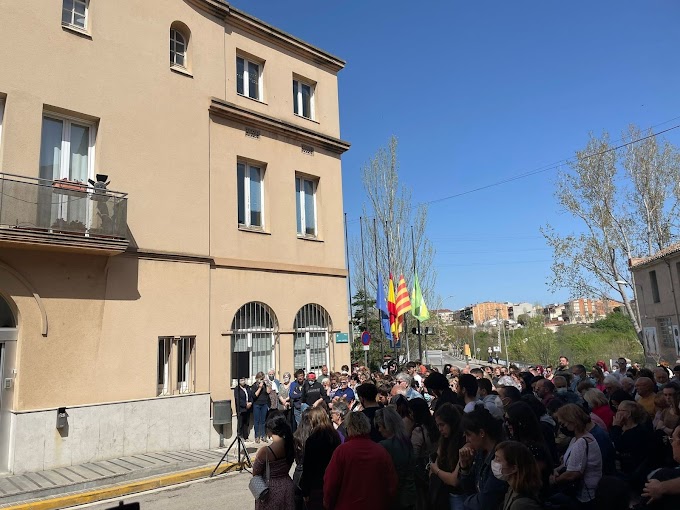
(657, 281)
(92, 312)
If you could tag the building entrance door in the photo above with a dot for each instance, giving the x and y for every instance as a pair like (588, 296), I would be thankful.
(8, 338)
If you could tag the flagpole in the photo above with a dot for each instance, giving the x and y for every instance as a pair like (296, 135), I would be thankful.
(363, 265)
(420, 341)
(349, 287)
(389, 270)
(377, 284)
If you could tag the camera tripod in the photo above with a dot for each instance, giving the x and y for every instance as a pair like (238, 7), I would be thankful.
(241, 451)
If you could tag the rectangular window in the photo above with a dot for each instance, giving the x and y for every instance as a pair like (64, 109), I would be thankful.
(300, 351)
(248, 78)
(185, 360)
(303, 99)
(163, 379)
(305, 206)
(317, 349)
(250, 195)
(74, 13)
(665, 327)
(176, 365)
(655, 287)
(259, 345)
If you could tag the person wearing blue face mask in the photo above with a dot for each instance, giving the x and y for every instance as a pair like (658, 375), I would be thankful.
(579, 372)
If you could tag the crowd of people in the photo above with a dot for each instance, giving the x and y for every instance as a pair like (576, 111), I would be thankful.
(487, 438)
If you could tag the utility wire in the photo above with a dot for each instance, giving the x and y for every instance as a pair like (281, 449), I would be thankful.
(546, 168)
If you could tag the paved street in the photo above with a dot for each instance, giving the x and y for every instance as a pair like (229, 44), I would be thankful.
(229, 492)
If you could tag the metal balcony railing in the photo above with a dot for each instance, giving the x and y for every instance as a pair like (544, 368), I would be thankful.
(61, 206)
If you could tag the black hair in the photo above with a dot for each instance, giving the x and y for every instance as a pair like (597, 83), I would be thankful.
(345, 368)
(422, 417)
(299, 371)
(468, 382)
(485, 384)
(481, 419)
(620, 396)
(536, 405)
(411, 364)
(278, 424)
(449, 446)
(525, 425)
(436, 381)
(367, 391)
(512, 393)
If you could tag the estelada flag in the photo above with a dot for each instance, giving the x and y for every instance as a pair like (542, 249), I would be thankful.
(392, 309)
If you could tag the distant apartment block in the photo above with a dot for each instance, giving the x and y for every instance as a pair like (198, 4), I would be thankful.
(480, 313)
(553, 312)
(515, 310)
(586, 310)
(445, 315)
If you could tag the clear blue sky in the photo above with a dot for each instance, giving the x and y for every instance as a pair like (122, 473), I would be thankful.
(481, 91)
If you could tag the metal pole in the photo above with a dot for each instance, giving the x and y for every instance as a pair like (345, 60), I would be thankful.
(349, 288)
(377, 272)
(363, 265)
(498, 327)
(389, 270)
(420, 341)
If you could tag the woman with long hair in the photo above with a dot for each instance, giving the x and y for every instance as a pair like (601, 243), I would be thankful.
(318, 451)
(523, 426)
(515, 464)
(424, 438)
(280, 455)
(444, 489)
(398, 445)
(284, 398)
(599, 406)
(302, 433)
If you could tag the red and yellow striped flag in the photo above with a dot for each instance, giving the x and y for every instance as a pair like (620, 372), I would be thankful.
(392, 310)
(403, 300)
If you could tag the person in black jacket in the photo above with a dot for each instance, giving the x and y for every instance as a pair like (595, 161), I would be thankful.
(313, 392)
(244, 403)
(438, 386)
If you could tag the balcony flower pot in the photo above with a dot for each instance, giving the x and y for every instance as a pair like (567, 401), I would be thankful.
(73, 227)
(67, 187)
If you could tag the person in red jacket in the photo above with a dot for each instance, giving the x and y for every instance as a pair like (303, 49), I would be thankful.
(357, 468)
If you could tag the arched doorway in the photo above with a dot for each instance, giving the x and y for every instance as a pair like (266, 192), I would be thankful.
(8, 337)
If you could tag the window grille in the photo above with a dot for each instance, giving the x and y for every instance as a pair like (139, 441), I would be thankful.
(254, 328)
(312, 326)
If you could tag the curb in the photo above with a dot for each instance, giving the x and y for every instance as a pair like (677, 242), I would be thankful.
(116, 491)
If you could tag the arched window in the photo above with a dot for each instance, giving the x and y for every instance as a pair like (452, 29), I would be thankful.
(7, 319)
(179, 45)
(254, 328)
(312, 327)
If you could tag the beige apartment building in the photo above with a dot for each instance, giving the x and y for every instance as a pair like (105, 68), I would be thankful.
(657, 282)
(587, 311)
(224, 233)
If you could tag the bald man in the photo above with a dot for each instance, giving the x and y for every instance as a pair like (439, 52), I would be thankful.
(661, 377)
(644, 387)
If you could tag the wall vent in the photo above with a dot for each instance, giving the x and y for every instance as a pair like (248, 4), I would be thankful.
(308, 149)
(253, 133)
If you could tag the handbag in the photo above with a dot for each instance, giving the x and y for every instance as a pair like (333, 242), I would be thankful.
(259, 485)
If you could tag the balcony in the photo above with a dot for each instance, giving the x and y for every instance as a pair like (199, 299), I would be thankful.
(61, 215)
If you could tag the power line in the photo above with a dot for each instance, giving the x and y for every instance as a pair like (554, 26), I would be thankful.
(552, 166)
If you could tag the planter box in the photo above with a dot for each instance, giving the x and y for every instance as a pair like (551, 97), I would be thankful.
(64, 186)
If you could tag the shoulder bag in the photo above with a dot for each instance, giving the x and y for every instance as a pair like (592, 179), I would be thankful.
(259, 485)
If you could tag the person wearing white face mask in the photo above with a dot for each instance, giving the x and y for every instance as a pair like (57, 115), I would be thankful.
(514, 463)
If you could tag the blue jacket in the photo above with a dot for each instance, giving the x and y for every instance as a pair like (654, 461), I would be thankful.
(295, 394)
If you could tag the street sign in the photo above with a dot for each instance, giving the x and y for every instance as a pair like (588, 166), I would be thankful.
(341, 338)
(496, 349)
(366, 347)
(366, 338)
(395, 345)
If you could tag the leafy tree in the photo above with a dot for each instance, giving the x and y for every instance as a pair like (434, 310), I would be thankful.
(390, 203)
(617, 322)
(626, 203)
(534, 343)
(365, 318)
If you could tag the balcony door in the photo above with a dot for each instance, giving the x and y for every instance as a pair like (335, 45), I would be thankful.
(9, 334)
(66, 152)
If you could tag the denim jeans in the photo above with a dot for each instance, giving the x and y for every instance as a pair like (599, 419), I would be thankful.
(260, 415)
(298, 415)
(456, 502)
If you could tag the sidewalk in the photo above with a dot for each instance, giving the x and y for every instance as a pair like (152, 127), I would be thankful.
(96, 481)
